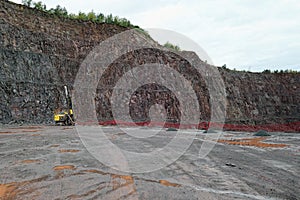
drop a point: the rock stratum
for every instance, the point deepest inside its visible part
(40, 53)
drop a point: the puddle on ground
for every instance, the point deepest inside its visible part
(257, 142)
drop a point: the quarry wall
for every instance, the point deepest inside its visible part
(40, 53)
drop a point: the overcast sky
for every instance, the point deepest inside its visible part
(243, 34)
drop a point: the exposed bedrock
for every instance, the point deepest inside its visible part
(40, 53)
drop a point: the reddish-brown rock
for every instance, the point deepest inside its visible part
(39, 53)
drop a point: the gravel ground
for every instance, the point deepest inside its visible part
(51, 162)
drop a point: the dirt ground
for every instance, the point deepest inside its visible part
(50, 162)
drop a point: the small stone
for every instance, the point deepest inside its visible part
(230, 164)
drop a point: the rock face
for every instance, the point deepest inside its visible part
(40, 53)
(262, 98)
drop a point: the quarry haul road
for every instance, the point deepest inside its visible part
(50, 162)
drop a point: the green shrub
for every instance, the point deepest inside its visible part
(39, 6)
(172, 46)
(27, 3)
(262, 133)
(171, 129)
(266, 71)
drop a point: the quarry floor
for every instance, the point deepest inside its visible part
(51, 162)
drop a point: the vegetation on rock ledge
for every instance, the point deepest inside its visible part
(266, 71)
(91, 16)
(172, 46)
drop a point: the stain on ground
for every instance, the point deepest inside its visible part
(121, 133)
(257, 142)
(21, 130)
(68, 150)
(118, 182)
(6, 132)
(30, 161)
(123, 183)
(88, 193)
(54, 145)
(169, 184)
(7, 191)
(35, 134)
(63, 167)
(27, 127)
(12, 190)
(112, 137)
(31, 131)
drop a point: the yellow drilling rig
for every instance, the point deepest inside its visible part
(65, 116)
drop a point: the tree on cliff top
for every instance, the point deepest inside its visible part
(27, 3)
(91, 16)
(172, 46)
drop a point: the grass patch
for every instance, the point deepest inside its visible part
(171, 129)
(262, 133)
